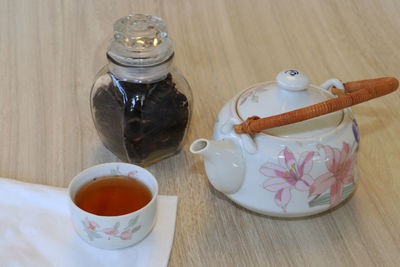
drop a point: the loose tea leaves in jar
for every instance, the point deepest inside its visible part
(141, 105)
(154, 117)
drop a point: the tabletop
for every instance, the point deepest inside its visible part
(50, 52)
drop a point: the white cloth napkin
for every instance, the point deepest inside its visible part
(36, 230)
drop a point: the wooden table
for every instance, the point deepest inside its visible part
(50, 52)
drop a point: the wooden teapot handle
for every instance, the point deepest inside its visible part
(355, 92)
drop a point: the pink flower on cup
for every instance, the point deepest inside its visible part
(94, 231)
(127, 234)
(110, 231)
(340, 165)
(288, 175)
(91, 225)
(132, 174)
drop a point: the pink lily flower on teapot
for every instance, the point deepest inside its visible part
(340, 165)
(289, 174)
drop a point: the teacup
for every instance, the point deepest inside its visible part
(113, 232)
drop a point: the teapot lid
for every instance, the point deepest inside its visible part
(290, 91)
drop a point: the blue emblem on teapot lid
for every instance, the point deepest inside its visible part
(292, 80)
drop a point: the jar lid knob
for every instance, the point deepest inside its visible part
(292, 80)
(139, 32)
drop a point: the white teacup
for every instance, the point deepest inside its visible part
(113, 232)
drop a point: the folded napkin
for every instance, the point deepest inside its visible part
(36, 230)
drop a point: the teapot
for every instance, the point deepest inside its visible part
(300, 159)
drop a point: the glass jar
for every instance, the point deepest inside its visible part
(141, 103)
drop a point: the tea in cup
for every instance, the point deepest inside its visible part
(113, 205)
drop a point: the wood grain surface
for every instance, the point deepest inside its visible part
(50, 52)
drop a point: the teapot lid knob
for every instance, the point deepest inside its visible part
(292, 80)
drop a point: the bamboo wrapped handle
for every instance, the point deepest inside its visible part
(355, 92)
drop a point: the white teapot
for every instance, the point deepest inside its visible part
(296, 169)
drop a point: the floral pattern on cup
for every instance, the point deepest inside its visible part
(329, 188)
(131, 174)
(115, 171)
(94, 230)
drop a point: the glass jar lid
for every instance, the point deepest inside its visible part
(140, 40)
(290, 91)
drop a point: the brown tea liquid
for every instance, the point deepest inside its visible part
(113, 195)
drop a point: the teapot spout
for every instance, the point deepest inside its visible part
(223, 161)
